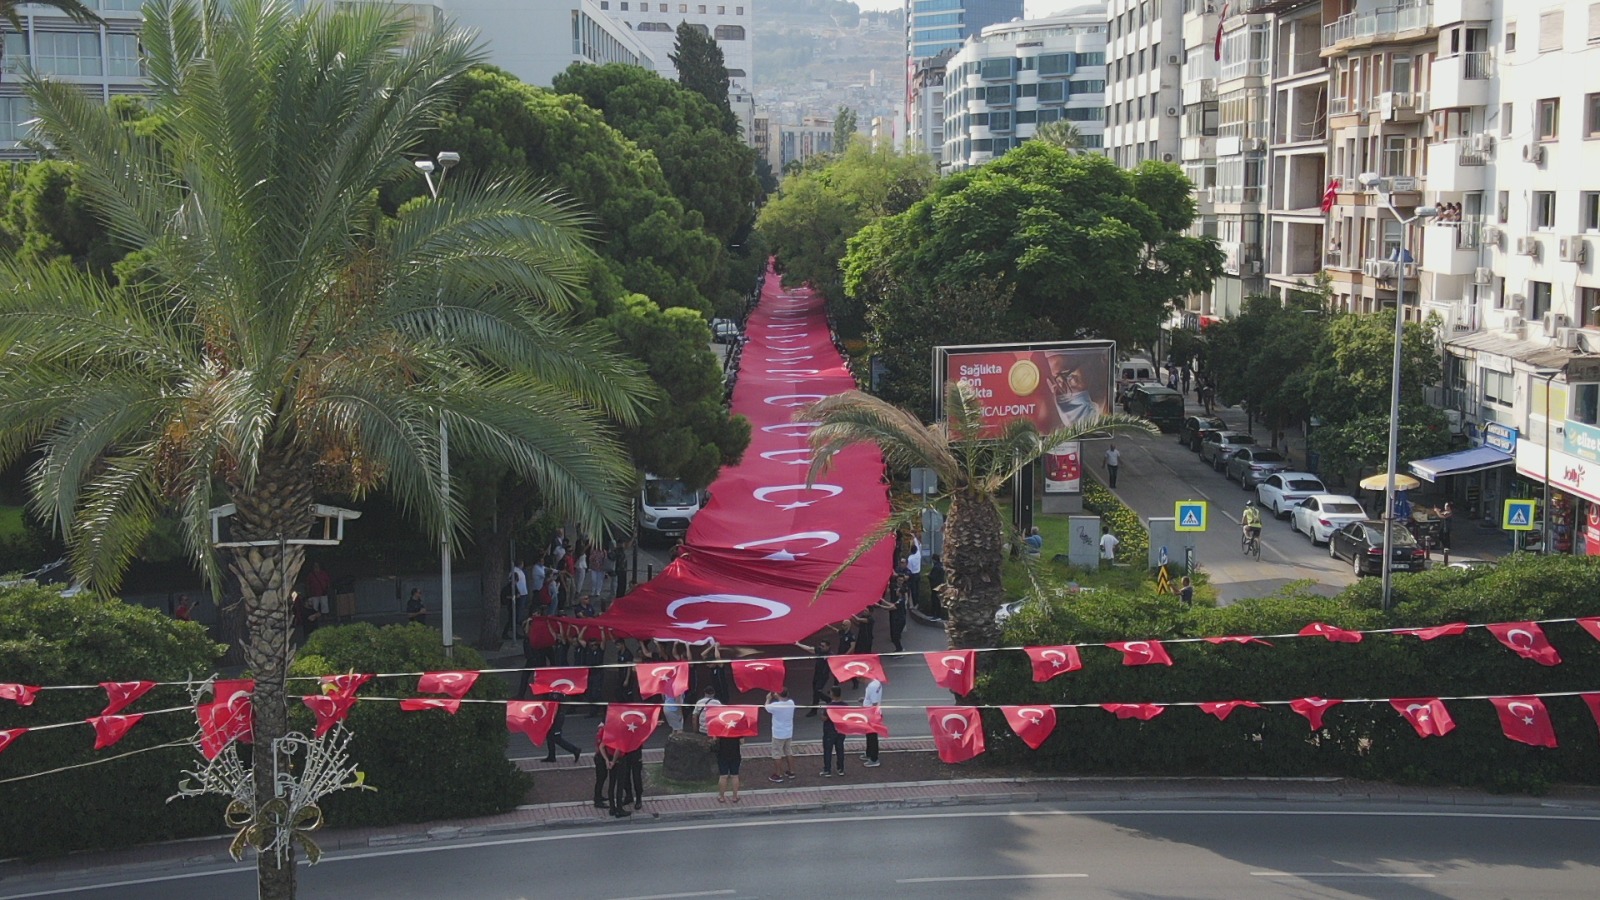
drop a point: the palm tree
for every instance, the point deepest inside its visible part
(971, 471)
(1063, 134)
(286, 341)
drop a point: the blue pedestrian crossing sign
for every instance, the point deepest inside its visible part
(1189, 515)
(1518, 515)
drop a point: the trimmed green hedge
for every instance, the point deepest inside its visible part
(48, 639)
(1359, 740)
(1119, 520)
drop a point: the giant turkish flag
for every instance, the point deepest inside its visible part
(758, 551)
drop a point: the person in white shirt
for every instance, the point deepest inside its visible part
(781, 708)
(872, 696)
(519, 593)
(702, 723)
(1113, 462)
(1108, 546)
(914, 566)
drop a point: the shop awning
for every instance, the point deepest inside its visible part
(1460, 463)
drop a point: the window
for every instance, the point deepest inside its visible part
(1544, 210)
(1589, 210)
(1505, 118)
(1502, 207)
(730, 32)
(1511, 37)
(994, 69)
(605, 4)
(1027, 116)
(122, 55)
(66, 53)
(1000, 121)
(1585, 403)
(702, 9)
(13, 112)
(1589, 307)
(997, 95)
(1549, 118)
(1538, 300)
(1551, 25)
(683, 7)
(1027, 90)
(1591, 116)
(1055, 64)
(1052, 92)
(1498, 388)
(654, 26)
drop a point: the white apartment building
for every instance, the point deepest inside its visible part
(1012, 78)
(1144, 61)
(925, 106)
(732, 25)
(1294, 242)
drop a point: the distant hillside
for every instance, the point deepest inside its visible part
(804, 41)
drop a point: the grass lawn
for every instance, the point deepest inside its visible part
(1056, 534)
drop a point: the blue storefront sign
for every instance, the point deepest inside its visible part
(1500, 437)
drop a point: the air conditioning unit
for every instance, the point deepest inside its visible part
(1528, 246)
(1574, 250)
(1381, 269)
(1569, 339)
(1553, 322)
(1483, 142)
(1481, 275)
(1254, 267)
(1514, 325)
(1174, 59)
(1452, 417)
(1516, 302)
(1172, 112)
(1166, 157)
(1492, 235)
(1252, 145)
(1533, 153)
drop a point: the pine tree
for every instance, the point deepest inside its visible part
(701, 69)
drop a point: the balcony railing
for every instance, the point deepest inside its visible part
(1476, 65)
(1386, 21)
(1469, 231)
(1234, 193)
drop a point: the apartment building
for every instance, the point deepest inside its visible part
(798, 142)
(1144, 62)
(925, 105)
(1012, 78)
(1294, 248)
(732, 25)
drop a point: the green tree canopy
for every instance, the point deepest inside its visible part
(844, 129)
(702, 69)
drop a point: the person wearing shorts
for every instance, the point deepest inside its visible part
(781, 708)
(728, 759)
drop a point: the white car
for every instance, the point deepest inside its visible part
(1319, 516)
(1283, 491)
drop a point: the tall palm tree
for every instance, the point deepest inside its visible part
(1063, 134)
(287, 341)
(971, 471)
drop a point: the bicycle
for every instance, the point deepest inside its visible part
(1250, 544)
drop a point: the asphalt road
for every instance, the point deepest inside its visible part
(1152, 849)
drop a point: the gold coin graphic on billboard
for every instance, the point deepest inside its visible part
(1024, 377)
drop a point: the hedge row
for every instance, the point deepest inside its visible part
(1358, 740)
(1118, 519)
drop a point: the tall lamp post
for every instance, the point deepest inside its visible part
(1548, 375)
(1370, 180)
(447, 610)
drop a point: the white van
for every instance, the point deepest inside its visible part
(666, 505)
(1134, 371)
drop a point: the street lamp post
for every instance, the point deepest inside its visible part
(1549, 375)
(447, 611)
(1369, 179)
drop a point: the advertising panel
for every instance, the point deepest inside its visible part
(1057, 385)
(1063, 469)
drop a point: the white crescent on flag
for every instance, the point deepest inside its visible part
(762, 493)
(1056, 657)
(857, 665)
(1527, 717)
(773, 608)
(856, 717)
(1527, 641)
(961, 724)
(731, 717)
(954, 663)
(1036, 718)
(561, 683)
(803, 452)
(794, 401)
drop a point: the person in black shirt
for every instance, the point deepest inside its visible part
(593, 655)
(832, 740)
(728, 759)
(821, 675)
(554, 738)
(628, 680)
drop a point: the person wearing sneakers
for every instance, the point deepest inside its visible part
(832, 740)
(872, 696)
(781, 708)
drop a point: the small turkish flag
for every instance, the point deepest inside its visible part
(1437, 631)
(671, 679)
(1330, 196)
(121, 693)
(23, 694)
(1593, 702)
(231, 717)
(110, 729)
(1031, 723)
(957, 732)
(7, 736)
(344, 685)
(1591, 624)
(1426, 714)
(1048, 662)
(1331, 632)
(732, 721)
(1313, 708)
(1142, 711)
(1526, 720)
(455, 684)
(846, 666)
(531, 717)
(1237, 639)
(1224, 708)
(1142, 653)
(225, 689)
(629, 725)
(1527, 640)
(330, 709)
(858, 720)
(568, 682)
(759, 674)
(418, 704)
(954, 670)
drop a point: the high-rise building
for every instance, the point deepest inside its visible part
(731, 25)
(1294, 244)
(1144, 58)
(933, 26)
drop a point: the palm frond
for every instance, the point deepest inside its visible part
(897, 520)
(853, 418)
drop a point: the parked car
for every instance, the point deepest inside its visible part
(1281, 492)
(1320, 516)
(54, 574)
(725, 331)
(1161, 405)
(1362, 544)
(1195, 429)
(1251, 465)
(1219, 445)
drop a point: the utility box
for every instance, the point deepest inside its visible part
(1083, 550)
(1177, 544)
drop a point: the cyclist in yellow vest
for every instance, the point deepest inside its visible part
(1251, 520)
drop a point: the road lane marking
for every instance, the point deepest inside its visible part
(1342, 875)
(678, 896)
(989, 877)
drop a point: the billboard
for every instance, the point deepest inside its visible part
(1055, 385)
(1063, 469)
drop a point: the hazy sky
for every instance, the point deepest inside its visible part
(1033, 7)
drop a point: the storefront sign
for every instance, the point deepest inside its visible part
(1500, 437)
(1582, 441)
(1591, 531)
(1567, 472)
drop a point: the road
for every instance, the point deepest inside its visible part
(1151, 849)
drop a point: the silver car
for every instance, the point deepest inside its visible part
(1281, 492)
(1251, 465)
(1217, 446)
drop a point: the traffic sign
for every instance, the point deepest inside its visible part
(1189, 515)
(1518, 515)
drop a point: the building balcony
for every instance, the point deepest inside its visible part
(1451, 248)
(1235, 193)
(1462, 80)
(1446, 12)
(1199, 147)
(1240, 258)
(1458, 165)
(1403, 106)
(1377, 25)
(1201, 90)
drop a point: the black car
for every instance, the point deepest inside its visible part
(1362, 544)
(1161, 405)
(1195, 429)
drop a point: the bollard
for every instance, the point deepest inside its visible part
(650, 572)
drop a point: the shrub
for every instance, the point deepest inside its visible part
(1119, 520)
(48, 639)
(424, 765)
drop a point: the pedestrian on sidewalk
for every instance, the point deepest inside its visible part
(602, 770)
(618, 781)
(519, 597)
(914, 569)
(935, 582)
(871, 697)
(865, 625)
(554, 738)
(1187, 376)
(832, 740)
(594, 656)
(781, 708)
(1113, 462)
(821, 675)
(897, 604)
(633, 763)
(729, 756)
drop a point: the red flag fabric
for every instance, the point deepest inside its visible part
(330, 709)
(858, 720)
(732, 721)
(1142, 711)
(1222, 709)
(1142, 653)
(1593, 702)
(767, 540)
(1216, 51)
(1048, 662)
(954, 670)
(454, 684)
(1330, 196)
(1524, 719)
(1591, 624)
(1237, 639)
(344, 685)
(1426, 714)
(629, 725)
(420, 704)
(759, 674)
(662, 678)
(110, 729)
(22, 694)
(1331, 632)
(846, 666)
(1527, 640)
(1313, 708)
(957, 732)
(7, 736)
(121, 693)
(1033, 724)
(568, 681)
(228, 718)
(1437, 631)
(226, 689)
(531, 717)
